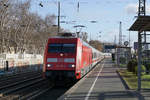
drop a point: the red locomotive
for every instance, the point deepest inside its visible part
(69, 58)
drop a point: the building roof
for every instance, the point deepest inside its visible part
(141, 24)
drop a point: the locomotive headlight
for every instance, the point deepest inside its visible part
(71, 65)
(49, 65)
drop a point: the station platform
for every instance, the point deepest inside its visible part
(102, 83)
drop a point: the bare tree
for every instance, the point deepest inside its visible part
(4, 6)
(96, 44)
(22, 31)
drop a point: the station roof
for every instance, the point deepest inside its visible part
(141, 24)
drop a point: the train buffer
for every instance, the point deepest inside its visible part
(102, 83)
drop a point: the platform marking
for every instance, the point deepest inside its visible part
(89, 93)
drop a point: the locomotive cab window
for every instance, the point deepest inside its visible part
(68, 48)
(54, 48)
(61, 48)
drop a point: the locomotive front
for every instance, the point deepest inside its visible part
(60, 59)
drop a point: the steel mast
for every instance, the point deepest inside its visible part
(141, 12)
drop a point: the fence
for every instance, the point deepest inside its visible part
(123, 56)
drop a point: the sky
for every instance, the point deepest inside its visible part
(106, 13)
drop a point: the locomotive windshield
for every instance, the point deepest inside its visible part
(61, 48)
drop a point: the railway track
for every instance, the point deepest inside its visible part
(28, 91)
(30, 86)
(7, 81)
(23, 86)
(14, 75)
(33, 91)
(53, 93)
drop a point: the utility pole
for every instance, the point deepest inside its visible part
(58, 17)
(120, 43)
(120, 33)
(115, 40)
(141, 12)
(129, 39)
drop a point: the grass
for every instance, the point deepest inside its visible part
(131, 79)
(123, 65)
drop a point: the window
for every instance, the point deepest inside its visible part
(61, 48)
(68, 48)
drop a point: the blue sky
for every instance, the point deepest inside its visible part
(107, 13)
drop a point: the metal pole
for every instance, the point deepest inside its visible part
(141, 12)
(120, 33)
(129, 39)
(139, 61)
(1, 43)
(58, 16)
(90, 36)
(115, 40)
(145, 45)
(120, 43)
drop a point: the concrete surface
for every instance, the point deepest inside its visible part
(103, 83)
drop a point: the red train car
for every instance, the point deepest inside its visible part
(69, 58)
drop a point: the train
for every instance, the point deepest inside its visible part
(69, 58)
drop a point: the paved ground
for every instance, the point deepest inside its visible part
(103, 83)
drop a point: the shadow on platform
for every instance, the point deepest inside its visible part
(113, 95)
